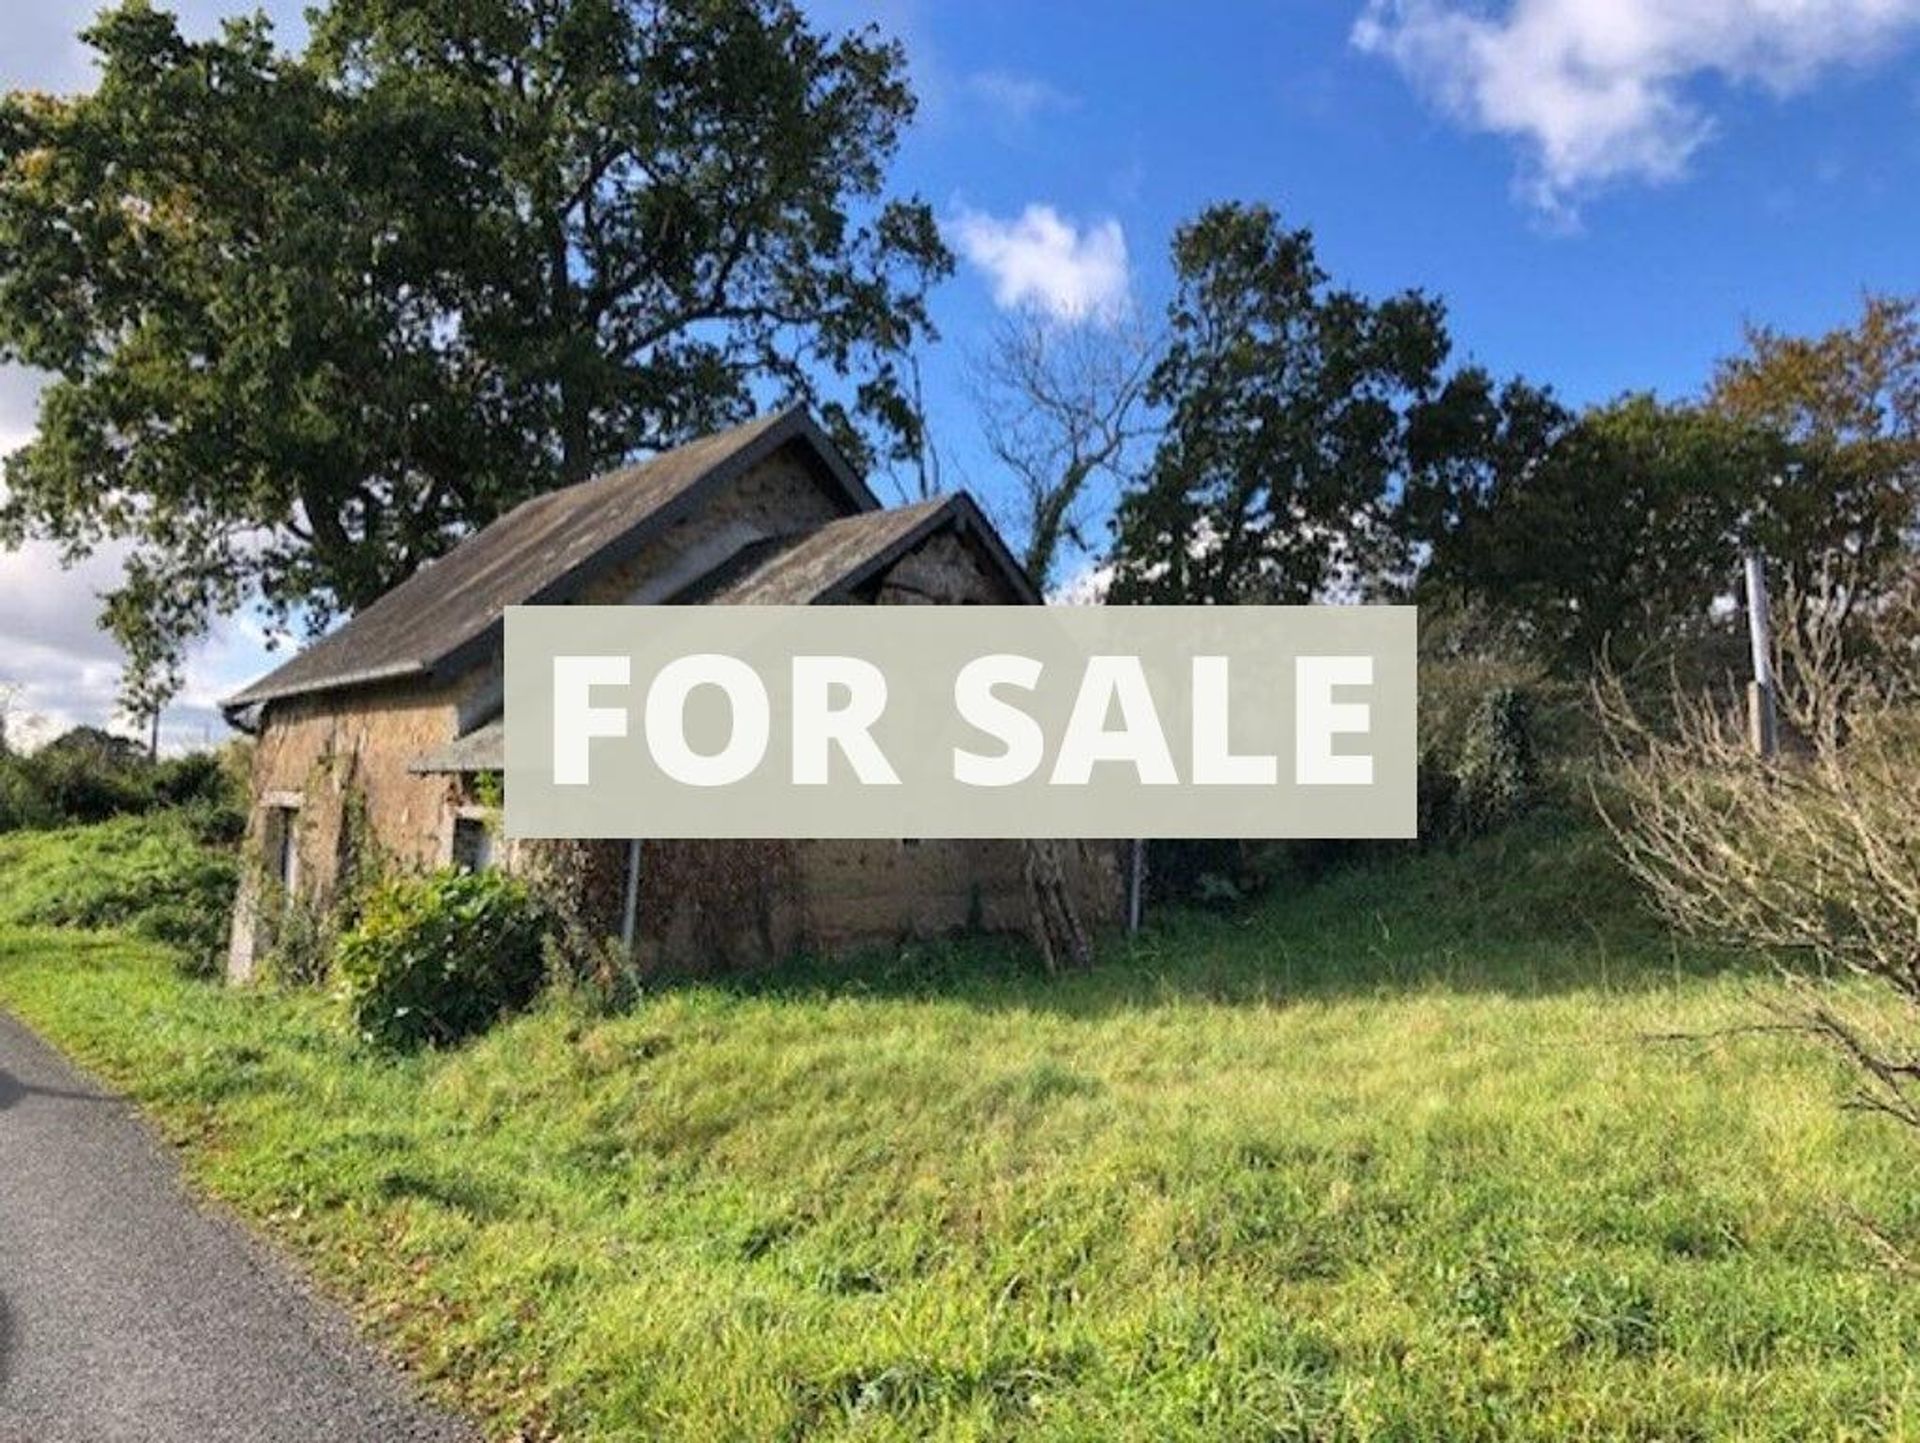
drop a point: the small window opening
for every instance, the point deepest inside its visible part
(283, 846)
(472, 845)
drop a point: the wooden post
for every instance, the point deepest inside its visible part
(1054, 918)
(1763, 726)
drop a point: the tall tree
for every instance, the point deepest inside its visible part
(1623, 529)
(1616, 531)
(1063, 410)
(1471, 450)
(1286, 402)
(313, 318)
(1840, 509)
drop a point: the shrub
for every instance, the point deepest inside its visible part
(23, 801)
(1811, 854)
(215, 824)
(1480, 770)
(1495, 742)
(437, 958)
(87, 775)
(296, 935)
(1495, 773)
(85, 784)
(196, 779)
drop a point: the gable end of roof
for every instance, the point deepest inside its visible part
(448, 614)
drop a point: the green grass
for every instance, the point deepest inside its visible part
(1392, 1159)
(154, 875)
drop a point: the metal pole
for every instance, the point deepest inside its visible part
(631, 914)
(1136, 887)
(1762, 720)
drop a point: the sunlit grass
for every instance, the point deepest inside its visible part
(1394, 1158)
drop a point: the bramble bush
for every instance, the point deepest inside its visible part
(436, 958)
(1811, 855)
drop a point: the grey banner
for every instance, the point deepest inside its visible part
(992, 721)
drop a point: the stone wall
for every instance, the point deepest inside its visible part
(834, 895)
(776, 498)
(712, 906)
(344, 759)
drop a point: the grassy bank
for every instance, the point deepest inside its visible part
(1392, 1158)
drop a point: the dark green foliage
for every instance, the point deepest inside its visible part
(1197, 871)
(1285, 401)
(1496, 773)
(437, 958)
(151, 875)
(80, 784)
(23, 801)
(87, 775)
(1495, 744)
(1312, 439)
(1618, 531)
(195, 777)
(1498, 739)
(95, 745)
(312, 318)
(1616, 535)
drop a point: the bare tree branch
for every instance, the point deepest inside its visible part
(1063, 410)
(1811, 857)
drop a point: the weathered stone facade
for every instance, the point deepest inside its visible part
(335, 775)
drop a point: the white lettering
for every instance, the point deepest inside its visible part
(667, 720)
(1024, 745)
(1318, 719)
(1140, 738)
(576, 721)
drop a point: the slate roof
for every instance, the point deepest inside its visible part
(481, 750)
(830, 561)
(541, 551)
(548, 548)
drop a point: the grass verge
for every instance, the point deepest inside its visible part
(1389, 1159)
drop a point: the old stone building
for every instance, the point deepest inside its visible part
(383, 741)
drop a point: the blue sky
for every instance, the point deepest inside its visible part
(1782, 214)
(1603, 191)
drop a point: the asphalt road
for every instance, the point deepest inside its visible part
(130, 1315)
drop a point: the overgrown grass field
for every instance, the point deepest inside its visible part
(1392, 1157)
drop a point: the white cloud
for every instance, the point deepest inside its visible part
(58, 668)
(1039, 261)
(1087, 586)
(1017, 99)
(19, 406)
(61, 670)
(1602, 90)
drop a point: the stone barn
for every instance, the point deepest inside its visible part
(382, 743)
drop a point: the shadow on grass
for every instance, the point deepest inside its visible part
(1540, 910)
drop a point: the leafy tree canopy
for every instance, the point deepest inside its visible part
(312, 318)
(1614, 531)
(1845, 496)
(1621, 529)
(1297, 413)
